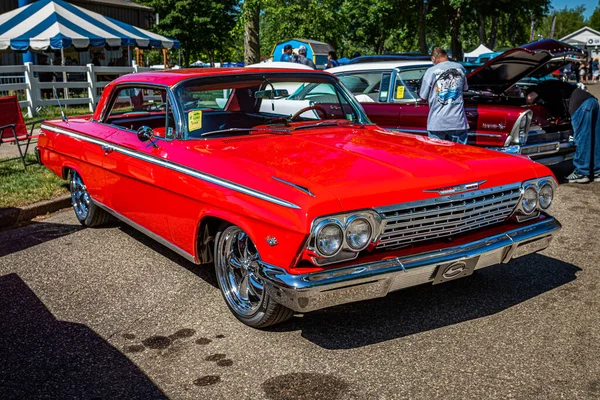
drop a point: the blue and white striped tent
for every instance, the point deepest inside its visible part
(56, 24)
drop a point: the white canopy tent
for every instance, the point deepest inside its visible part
(477, 52)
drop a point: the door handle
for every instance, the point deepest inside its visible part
(107, 149)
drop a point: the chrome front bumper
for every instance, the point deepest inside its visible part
(313, 291)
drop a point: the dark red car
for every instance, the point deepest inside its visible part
(498, 115)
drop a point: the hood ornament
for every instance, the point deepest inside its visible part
(456, 189)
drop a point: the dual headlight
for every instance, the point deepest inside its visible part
(347, 232)
(537, 195)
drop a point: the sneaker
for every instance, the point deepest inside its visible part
(576, 178)
(597, 177)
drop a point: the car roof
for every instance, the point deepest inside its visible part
(280, 65)
(376, 66)
(174, 76)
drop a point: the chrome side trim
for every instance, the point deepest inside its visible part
(148, 233)
(295, 186)
(175, 167)
(313, 291)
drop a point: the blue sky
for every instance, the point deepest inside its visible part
(590, 5)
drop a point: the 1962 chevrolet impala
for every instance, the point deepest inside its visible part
(498, 115)
(299, 206)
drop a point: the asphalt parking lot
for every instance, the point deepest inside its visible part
(108, 313)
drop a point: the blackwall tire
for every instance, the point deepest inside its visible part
(235, 267)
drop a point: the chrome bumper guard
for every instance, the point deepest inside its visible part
(544, 153)
(313, 291)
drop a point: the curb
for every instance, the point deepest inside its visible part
(10, 217)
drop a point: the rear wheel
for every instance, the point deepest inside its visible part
(236, 267)
(88, 213)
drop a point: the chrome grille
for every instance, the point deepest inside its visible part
(445, 216)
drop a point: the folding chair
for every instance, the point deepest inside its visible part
(13, 129)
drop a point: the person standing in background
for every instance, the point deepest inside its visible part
(442, 86)
(287, 53)
(302, 58)
(332, 60)
(582, 74)
(585, 118)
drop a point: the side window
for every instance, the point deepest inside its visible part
(134, 107)
(367, 87)
(406, 87)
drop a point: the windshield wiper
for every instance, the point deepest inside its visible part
(274, 121)
(264, 130)
(328, 123)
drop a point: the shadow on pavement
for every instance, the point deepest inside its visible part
(428, 307)
(42, 357)
(21, 238)
(205, 272)
(562, 170)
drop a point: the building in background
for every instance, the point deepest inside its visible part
(585, 38)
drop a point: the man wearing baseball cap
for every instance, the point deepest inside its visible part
(301, 59)
(287, 52)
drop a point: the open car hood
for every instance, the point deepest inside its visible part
(535, 59)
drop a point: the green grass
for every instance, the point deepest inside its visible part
(54, 113)
(20, 187)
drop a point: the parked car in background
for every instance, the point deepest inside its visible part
(496, 109)
(389, 57)
(485, 57)
(299, 204)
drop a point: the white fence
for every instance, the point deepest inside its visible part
(33, 84)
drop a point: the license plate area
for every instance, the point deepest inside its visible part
(455, 270)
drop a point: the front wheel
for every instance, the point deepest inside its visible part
(236, 267)
(88, 213)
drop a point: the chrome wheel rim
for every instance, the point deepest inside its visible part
(79, 196)
(237, 267)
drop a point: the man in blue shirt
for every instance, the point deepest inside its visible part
(287, 52)
(442, 86)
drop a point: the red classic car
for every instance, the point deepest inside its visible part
(498, 115)
(298, 206)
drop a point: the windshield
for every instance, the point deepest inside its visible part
(238, 105)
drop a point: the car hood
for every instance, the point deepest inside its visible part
(534, 59)
(361, 168)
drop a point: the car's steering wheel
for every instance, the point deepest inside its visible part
(305, 109)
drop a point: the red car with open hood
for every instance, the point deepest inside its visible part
(495, 103)
(299, 204)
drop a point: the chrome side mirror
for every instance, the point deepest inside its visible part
(145, 134)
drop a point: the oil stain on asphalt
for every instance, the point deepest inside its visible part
(203, 341)
(182, 334)
(216, 357)
(157, 342)
(207, 380)
(134, 348)
(305, 386)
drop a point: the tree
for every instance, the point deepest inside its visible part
(370, 22)
(309, 19)
(594, 21)
(251, 20)
(567, 20)
(201, 26)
